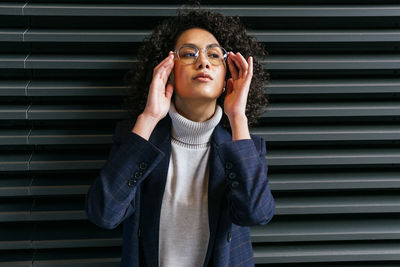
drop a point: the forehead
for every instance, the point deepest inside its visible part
(197, 36)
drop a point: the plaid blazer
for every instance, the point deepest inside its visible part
(130, 187)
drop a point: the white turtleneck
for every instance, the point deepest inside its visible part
(184, 228)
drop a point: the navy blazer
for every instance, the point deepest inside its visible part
(130, 188)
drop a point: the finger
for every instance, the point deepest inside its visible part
(250, 70)
(165, 70)
(243, 64)
(239, 65)
(164, 62)
(229, 86)
(232, 66)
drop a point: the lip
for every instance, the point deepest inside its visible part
(202, 77)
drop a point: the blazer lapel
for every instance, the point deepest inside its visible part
(152, 191)
(216, 186)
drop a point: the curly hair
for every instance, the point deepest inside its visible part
(231, 35)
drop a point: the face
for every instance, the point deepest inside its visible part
(187, 83)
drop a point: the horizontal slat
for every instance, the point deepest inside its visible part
(333, 62)
(66, 160)
(327, 230)
(327, 252)
(325, 36)
(334, 180)
(12, 35)
(59, 112)
(45, 235)
(16, 258)
(54, 136)
(61, 88)
(76, 35)
(338, 204)
(42, 186)
(13, 87)
(333, 156)
(12, 8)
(15, 186)
(73, 209)
(333, 86)
(280, 62)
(79, 257)
(274, 87)
(70, 136)
(278, 182)
(14, 137)
(35, 9)
(14, 161)
(270, 134)
(336, 109)
(328, 133)
(269, 36)
(39, 210)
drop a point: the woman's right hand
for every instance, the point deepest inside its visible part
(160, 93)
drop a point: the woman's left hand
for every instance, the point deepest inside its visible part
(237, 87)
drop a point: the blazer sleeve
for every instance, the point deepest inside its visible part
(111, 197)
(249, 195)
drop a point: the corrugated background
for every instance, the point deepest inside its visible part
(332, 128)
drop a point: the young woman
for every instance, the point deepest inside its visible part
(185, 176)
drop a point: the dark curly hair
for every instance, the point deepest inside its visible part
(231, 35)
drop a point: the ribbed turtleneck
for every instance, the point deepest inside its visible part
(192, 134)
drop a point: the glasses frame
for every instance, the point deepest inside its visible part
(225, 53)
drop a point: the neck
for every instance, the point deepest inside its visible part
(195, 110)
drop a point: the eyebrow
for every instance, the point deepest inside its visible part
(212, 44)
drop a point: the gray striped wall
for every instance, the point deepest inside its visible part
(332, 128)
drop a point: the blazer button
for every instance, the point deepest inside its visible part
(138, 174)
(229, 237)
(232, 175)
(132, 182)
(228, 165)
(143, 165)
(235, 184)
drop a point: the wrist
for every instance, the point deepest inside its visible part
(237, 119)
(239, 127)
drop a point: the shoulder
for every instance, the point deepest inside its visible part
(124, 127)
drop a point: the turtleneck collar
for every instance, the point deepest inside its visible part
(191, 133)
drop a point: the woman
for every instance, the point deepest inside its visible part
(186, 186)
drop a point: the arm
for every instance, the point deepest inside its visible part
(111, 198)
(249, 194)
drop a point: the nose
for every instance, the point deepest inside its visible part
(202, 61)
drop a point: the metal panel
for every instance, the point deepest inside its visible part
(331, 128)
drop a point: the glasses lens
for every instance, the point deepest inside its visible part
(215, 55)
(188, 54)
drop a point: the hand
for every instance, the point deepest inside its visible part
(237, 88)
(159, 97)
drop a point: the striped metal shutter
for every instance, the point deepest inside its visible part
(331, 129)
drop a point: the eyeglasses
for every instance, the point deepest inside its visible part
(188, 54)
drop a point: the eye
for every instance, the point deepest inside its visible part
(188, 54)
(214, 55)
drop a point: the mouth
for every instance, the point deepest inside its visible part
(203, 77)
